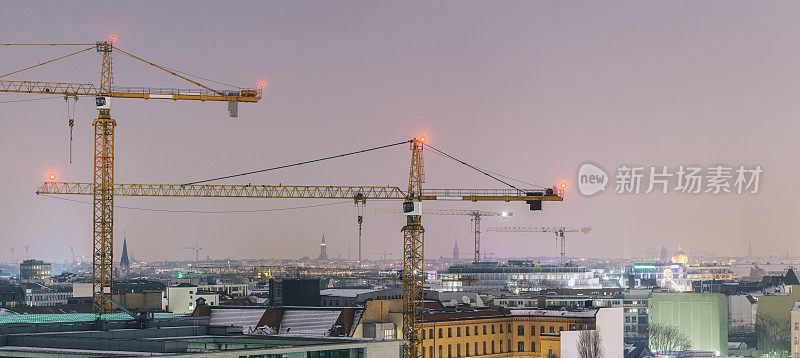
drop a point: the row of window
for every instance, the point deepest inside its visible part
(475, 351)
(520, 330)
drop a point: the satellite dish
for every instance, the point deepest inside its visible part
(454, 302)
(465, 299)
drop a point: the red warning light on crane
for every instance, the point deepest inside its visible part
(52, 176)
(262, 84)
(113, 38)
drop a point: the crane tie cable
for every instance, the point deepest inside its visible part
(297, 164)
(474, 167)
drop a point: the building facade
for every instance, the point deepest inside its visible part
(795, 328)
(518, 276)
(34, 270)
(703, 317)
(11, 296)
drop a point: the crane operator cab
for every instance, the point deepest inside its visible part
(103, 102)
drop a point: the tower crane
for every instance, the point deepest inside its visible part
(103, 184)
(196, 248)
(476, 221)
(559, 231)
(413, 231)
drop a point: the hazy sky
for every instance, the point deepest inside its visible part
(528, 89)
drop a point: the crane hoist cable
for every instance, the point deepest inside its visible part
(71, 120)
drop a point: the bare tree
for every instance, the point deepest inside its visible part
(774, 332)
(590, 344)
(667, 338)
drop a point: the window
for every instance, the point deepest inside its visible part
(449, 332)
(520, 331)
(484, 329)
(440, 335)
(430, 333)
(430, 351)
(501, 328)
(458, 350)
(572, 327)
(423, 352)
(501, 345)
(466, 348)
(560, 328)
(542, 330)
(509, 328)
(440, 350)
(520, 346)
(484, 347)
(533, 330)
(796, 324)
(552, 329)
(533, 346)
(458, 331)
(466, 331)
(449, 351)
(423, 337)
(492, 329)
(476, 330)
(492, 345)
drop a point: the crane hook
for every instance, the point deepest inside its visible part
(71, 119)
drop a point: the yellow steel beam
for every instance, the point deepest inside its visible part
(291, 192)
(88, 89)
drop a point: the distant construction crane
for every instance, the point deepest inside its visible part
(559, 231)
(476, 221)
(196, 249)
(104, 125)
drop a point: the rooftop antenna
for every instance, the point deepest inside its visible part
(27, 251)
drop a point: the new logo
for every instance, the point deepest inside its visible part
(591, 179)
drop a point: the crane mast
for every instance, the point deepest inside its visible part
(413, 253)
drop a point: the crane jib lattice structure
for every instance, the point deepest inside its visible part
(102, 188)
(413, 231)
